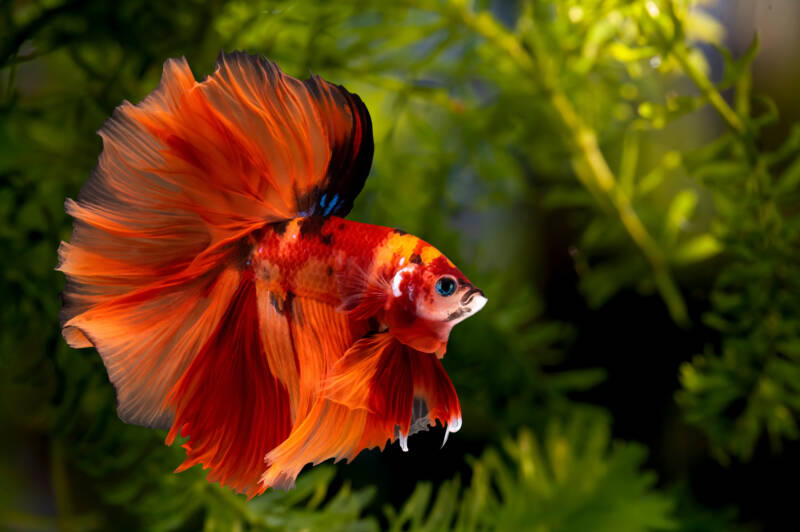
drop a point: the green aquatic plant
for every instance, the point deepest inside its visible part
(569, 478)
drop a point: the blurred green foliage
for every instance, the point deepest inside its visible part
(497, 124)
(568, 480)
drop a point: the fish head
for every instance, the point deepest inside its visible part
(430, 295)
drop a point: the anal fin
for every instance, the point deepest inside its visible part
(380, 390)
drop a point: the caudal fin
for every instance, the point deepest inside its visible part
(157, 267)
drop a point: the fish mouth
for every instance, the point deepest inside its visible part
(478, 302)
(471, 303)
(469, 294)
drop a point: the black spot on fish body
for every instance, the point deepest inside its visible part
(311, 226)
(280, 227)
(327, 239)
(415, 259)
(341, 226)
(330, 271)
(258, 234)
(399, 232)
(241, 252)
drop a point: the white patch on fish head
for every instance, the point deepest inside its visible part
(398, 279)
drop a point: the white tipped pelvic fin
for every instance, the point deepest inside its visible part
(453, 426)
(404, 442)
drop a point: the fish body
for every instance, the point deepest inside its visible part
(337, 261)
(212, 268)
(307, 255)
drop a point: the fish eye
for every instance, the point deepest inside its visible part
(445, 286)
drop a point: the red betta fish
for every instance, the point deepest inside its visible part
(231, 302)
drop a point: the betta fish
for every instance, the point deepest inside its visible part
(213, 269)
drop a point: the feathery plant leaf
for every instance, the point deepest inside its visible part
(570, 478)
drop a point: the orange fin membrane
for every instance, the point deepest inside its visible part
(380, 390)
(433, 387)
(363, 294)
(229, 403)
(156, 266)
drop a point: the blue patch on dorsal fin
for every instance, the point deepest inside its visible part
(331, 206)
(325, 206)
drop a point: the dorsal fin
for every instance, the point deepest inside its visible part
(316, 135)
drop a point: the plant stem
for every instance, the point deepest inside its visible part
(588, 161)
(601, 175)
(680, 51)
(681, 54)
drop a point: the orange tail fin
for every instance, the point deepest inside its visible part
(157, 266)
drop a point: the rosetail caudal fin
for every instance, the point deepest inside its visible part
(158, 276)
